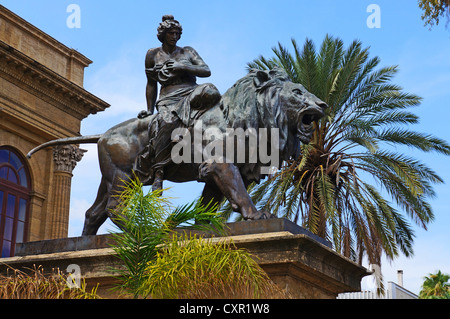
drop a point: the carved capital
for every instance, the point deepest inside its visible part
(66, 157)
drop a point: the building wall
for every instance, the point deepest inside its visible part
(42, 47)
(41, 99)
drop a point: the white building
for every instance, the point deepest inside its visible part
(393, 291)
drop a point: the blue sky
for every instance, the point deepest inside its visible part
(229, 34)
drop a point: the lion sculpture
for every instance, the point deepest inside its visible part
(260, 100)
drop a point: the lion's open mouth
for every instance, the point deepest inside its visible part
(306, 121)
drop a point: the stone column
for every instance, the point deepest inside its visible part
(65, 158)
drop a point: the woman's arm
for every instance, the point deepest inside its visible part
(151, 90)
(150, 94)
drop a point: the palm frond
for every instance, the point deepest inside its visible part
(424, 142)
(146, 222)
(323, 189)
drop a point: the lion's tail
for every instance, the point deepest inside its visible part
(67, 140)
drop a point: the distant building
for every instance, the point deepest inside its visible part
(41, 98)
(393, 291)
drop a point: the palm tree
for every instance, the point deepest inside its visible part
(162, 259)
(147, 220)
(338, 187)
(436, 286)
(191, 267)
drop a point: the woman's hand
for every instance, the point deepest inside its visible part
(174, 66)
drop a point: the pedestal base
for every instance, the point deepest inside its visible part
(296, 260)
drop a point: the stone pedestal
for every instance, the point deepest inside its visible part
(296, 260)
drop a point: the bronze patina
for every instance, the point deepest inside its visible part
(260, 102)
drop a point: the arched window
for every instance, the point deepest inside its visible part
(14, 200)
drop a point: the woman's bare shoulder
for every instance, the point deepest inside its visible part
(150, 57)
(152, 52)
(189, 49)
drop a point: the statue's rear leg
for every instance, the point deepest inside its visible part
(96, 215)
(229, 180)
(211, 196)
(105, 203)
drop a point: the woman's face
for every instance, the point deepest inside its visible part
(172, 36)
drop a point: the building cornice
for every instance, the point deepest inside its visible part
(39, 34)
(46, 83)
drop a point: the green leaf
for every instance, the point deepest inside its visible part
(351, 183)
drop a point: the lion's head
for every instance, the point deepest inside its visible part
(268, 99)
(302, 109)
(284, 97)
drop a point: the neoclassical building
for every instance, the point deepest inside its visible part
(41, 98)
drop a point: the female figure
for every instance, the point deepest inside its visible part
(180, 99)
(176, 69)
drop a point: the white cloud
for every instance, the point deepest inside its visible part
(121, 82)
(85, 181)
(78, 208)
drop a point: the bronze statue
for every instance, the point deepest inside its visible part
(175, 69)
(180, 98)
(165, 145)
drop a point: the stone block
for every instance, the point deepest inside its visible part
(297, 261)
